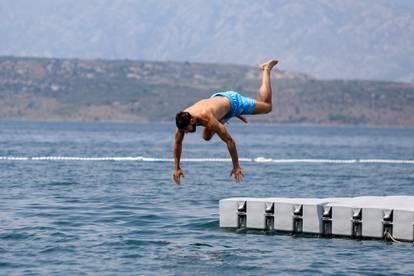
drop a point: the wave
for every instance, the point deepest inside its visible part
(156, 159)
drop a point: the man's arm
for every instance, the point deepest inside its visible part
(231, 146)
(179, 136)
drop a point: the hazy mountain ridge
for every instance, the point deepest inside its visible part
(327, 38)
(125, 90)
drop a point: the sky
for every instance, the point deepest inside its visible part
(334, 39)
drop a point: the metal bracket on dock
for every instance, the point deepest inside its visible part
(269, 214)
(387, 223)
(327, 220)
(298, 218)
(241, 214)
(356, 222)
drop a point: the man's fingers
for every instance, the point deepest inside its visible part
(177, 177)
(238, 175)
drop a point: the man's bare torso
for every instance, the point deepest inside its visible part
(216, 106)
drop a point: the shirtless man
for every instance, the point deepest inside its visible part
(212, 113)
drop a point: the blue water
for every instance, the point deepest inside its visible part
(128, 217)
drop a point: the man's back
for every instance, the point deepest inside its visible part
(217, 106)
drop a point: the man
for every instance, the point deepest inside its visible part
(212, 113)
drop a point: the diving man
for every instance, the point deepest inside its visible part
(213, 112)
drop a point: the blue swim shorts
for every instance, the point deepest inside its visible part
(239, 105)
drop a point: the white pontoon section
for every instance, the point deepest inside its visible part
(358, 217)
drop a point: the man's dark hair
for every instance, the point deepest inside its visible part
(182, 119)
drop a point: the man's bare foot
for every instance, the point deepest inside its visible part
(268, 65)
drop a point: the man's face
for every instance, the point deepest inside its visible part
(190, 128)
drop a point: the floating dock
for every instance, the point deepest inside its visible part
(378, 217)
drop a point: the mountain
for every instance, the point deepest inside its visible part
(143, 91)
(335, 39)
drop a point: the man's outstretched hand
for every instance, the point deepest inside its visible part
(238, 174)
(177, 175)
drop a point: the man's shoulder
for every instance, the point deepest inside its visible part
(204, 117)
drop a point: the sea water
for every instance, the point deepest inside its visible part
(96, 214)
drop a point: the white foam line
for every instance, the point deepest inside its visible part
(389, 161)
(333, 161)
(257, 159)
(154, 159)
(14, 158)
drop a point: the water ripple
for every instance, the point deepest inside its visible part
(118, 217)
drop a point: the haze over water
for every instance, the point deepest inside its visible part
(128, 217)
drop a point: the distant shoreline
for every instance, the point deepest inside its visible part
(172, 123)
(94, 90)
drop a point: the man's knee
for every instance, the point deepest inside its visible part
(267, 108)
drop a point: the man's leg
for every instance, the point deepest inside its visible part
(264, 104)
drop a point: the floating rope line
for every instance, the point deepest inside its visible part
(155, 159)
